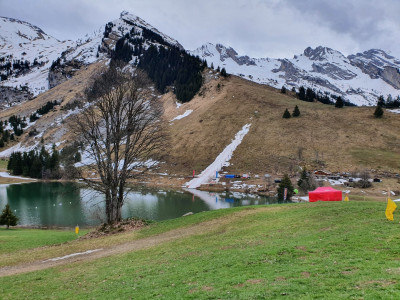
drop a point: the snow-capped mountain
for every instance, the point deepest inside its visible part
(32, 62)
(359, 78)
(26, 54)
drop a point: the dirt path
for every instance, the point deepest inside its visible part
(131, 246)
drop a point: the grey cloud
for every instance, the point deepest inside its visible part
(260, 28)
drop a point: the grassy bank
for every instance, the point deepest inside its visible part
(320, 250)
(19, 239)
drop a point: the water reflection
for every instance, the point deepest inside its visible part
(69, 204)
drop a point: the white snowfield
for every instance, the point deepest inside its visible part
(185, 114)
(220, 161)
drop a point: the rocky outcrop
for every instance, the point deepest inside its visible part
(61, 73)
(391, 75)
(10, 96)
(226, 53)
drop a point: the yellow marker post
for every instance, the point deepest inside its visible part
(346, 198)
(77, 229)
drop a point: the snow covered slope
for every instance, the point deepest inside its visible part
(26, 54)
(31, 60)
(359, 78)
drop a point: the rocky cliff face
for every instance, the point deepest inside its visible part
(11, 96)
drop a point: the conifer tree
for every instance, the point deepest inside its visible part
(306, 182)
(378, 112)
(381, 101)
(285, 183)
(7, 217)
(223, 72)
(302, 93)
(339, 102)
(286, 114)
(296, 112)
(283, 89)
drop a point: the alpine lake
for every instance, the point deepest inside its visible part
(67, 204)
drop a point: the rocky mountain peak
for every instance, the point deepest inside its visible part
(133, 20)
(222, 53)
(321, 53)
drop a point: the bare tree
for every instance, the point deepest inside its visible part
(122, 134)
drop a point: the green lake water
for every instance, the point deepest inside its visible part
(69, 204)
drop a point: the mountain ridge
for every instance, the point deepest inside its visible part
(360, 78)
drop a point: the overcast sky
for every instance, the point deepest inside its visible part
(258, 28)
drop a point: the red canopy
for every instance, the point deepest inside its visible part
(325, 194)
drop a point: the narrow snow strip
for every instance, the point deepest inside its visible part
(219, 162)
(6, 175)
(185, 114)
(396, 111)
(72, 255)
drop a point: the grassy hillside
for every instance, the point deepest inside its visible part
(322, 137)
(344, 250)
(327, 137)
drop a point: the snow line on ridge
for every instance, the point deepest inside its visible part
(219, 162)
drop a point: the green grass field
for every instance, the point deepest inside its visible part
(16, 239)
(345, 250)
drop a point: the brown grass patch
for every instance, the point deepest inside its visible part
(393, 270)
(380, 283)
(280, 279)
(254, 281)
(302, 248)
(306, 274)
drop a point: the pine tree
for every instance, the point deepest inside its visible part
(378, 112)
(306, 182)
(286, 114)
(285, 183)
(302, 93)
(223, 72)
(7, 217)
(283, 89)
(381, 101)
(339, 102)
(296, 112)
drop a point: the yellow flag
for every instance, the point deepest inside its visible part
(390, 208)
(346, 198)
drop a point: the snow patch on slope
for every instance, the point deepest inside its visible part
(220, 161)
(185, 114)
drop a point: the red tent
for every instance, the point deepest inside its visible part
(325, 194)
